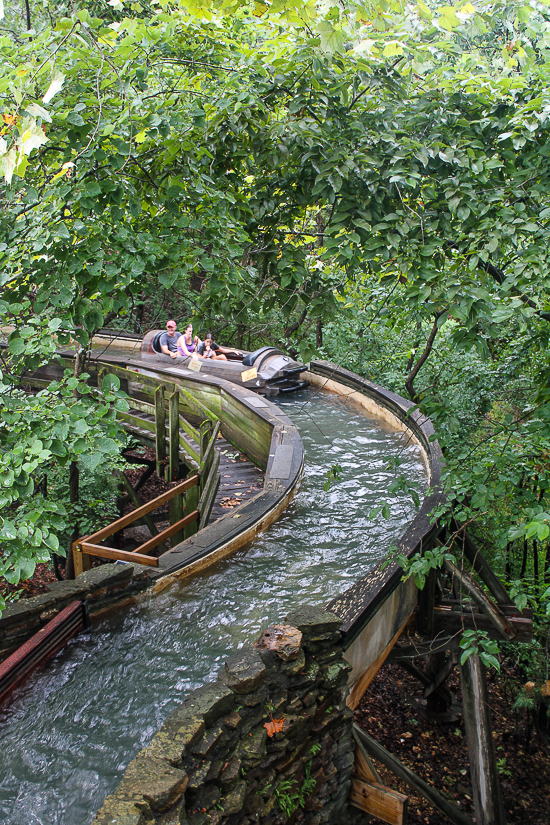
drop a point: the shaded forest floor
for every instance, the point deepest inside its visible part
(438, 752)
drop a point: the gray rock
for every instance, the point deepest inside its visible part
(314, 622)
(243, 672)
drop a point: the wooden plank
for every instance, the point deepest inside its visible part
(119, 555)
(426, 604)
(174, 437)
(197, 406)
(136, 421)
(79, 559)
(379, 752)
(188, 449)
(488, 805)
(133, 495)
(486, 604)
(192, 501)
(441, 676)
(160, 429)
(204, 430)
(448, 622)
(175, 510)
(208, 456)
(208, 496)
(389, 806)
(100, 535)
(481, 566)
(366, 678)
(423, 648)
(170, 531)
(191, 431)
(363, 766)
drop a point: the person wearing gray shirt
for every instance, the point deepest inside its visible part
(168, 340)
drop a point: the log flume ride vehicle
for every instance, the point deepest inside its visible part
(266, 370)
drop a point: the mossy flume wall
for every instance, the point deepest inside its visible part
(269, 742)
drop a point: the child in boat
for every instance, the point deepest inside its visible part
(187, 345)
(209, 349)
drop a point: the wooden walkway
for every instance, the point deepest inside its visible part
(240, 479)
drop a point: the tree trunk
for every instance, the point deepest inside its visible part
(74, 483)
(409, 383)
(523, 560)
(319, 333)
(74, 473)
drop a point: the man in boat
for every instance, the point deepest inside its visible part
(209, 349)
(169, 340)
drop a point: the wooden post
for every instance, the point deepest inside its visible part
(205, 431)
(426, 603)
(191, 503)
(174, 440)
(160, 428)
(82, 561)
(176, 510)
(479, 736)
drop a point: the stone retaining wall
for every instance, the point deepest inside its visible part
(102, 586)
(270, 742)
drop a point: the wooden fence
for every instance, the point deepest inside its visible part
(154, 418)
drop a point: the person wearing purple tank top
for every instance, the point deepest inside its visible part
(187, 344)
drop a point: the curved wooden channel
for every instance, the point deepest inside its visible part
(375, 610)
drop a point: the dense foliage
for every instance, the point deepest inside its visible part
(368, 181)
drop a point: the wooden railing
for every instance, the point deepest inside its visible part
(197, 444)
(90, 546)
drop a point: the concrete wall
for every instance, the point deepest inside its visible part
(103, 587)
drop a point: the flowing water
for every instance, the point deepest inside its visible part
(69, 733)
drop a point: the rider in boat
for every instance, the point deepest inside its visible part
(209, 349)
(186, 344)
(168, 341)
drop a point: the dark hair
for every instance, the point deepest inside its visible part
(208, 335)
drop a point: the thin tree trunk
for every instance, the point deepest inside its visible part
(416, 344)
(536, 562)
(547, 566)
(28, 15)
(409, 383)
(523, 560)
(319, 333)
(74, 472)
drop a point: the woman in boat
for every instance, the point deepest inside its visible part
(187, 345)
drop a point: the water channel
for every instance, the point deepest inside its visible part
(69, 733)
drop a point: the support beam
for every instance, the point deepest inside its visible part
(481, 566)
(134, 498)
(379, 752)
(487, 606)
(441, 676)
(426, 604)
(174, 440)
(160, 429)
(191, 503)
(479, 736)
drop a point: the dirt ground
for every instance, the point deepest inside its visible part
(438, 752)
